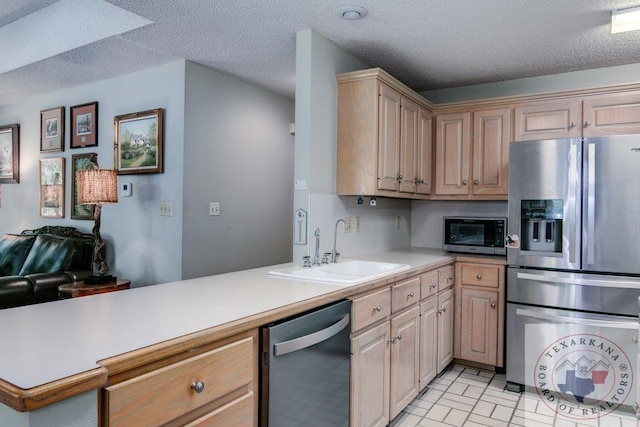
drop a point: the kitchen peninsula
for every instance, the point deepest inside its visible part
(57, 359)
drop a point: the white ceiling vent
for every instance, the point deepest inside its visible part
(351, 13)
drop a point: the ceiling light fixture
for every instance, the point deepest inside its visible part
(351, 13)
(627, 19)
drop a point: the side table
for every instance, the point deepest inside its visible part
(80, 289)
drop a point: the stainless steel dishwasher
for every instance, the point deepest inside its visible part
(304, 369)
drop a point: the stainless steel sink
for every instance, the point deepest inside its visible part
(349, 272)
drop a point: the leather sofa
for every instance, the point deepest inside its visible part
(35, 262)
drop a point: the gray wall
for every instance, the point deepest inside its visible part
(141, 245)
(225, 140)
(318, 60)
(533, 85)
(238, 151)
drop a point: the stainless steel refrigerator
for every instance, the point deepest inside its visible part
(573, 252)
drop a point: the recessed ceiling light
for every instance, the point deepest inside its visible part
(625, 19)
(351, 13)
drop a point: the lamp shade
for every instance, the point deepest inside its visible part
(97, 186)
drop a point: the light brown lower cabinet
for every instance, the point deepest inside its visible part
(480, 312)
(201, 387)
(402, 336)
(370, 365)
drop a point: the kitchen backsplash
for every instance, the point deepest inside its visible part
(426, 218)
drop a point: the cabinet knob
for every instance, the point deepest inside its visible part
(493, 304)
(434, 285)
(476, 182)
(465, 182)
(399, 336)
(479, 276)
(587, 123)
(635, 340)
(443, 309)
(391, 340)
(198, 387)
(572, 125)
(399, 178)
(450, 278)
(377, 308)
(411, 295)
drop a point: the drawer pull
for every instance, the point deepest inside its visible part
(493, 304)
(479, 276)
(399, 337)
(198, 387)
(377, 308)
(434, 285)
(450, 277)
(411, 295)
(391, 340)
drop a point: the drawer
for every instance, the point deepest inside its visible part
(164, 394)
(480, 275)
(238, 413)
(370, 308)
(429, 284)
(446, 277)
(404, 294)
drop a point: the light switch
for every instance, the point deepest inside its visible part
(214, 208)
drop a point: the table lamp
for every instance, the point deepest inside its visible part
(97, 187)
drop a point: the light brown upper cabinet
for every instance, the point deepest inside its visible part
(384, 137)
(595, 115)
(472, 154)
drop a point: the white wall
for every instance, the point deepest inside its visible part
(141, 245)
(318, 60)
(238, 151)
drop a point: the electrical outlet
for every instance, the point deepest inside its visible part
(348, 224)
(166, 209)
(357, 224)
(214, 208)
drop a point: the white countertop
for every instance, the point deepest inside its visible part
(47, 342)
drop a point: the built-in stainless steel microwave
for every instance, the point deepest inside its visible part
(475, 235)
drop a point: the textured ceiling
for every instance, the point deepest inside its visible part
(427, 44)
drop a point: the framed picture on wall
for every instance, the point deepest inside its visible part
(81, 162)
(52, 187)
(52, 129)
(139, 142)
(10, 153)
(84, 125)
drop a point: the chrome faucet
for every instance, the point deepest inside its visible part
(316, 257)
(335, 254)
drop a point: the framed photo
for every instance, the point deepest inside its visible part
(52, 130)
(139, 144)
(10, 154)
(52, 187)
(81, 162)
(84, 125)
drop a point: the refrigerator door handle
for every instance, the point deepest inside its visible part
(591, 202)
(603, 282)
(577, 320)
(300, 343)
(574, 178)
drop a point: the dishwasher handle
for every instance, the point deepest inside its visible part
(296, 344)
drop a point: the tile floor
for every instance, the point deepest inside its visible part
(467, 397)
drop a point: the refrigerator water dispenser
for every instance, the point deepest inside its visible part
(541, 225)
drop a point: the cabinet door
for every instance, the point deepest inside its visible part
(404, 359)
(445, 329)
(423, 152)
(479, 326)
(370, 362)
(408, 146)
(428, 340)
(388, 138)
(548, 120)
(615, 114)
(491, 137)
(453, 152)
